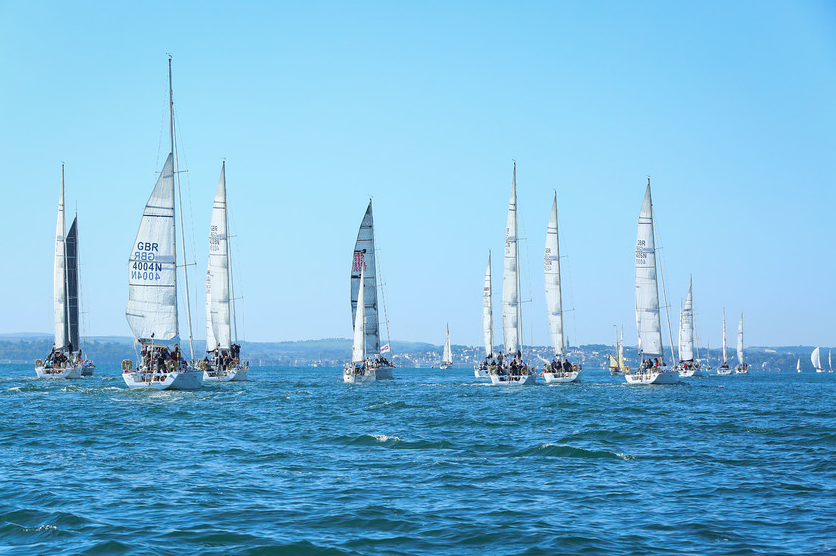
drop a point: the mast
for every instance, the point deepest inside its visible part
(517, 264)
(554, 301)
(229, 260)
(511, 330)
(176, 170)
(725, 358)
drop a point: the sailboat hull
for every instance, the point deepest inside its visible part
(49, 372)
(480, 373)
(523, 380)
(365, 377)
(180, 380)
(232, 375)
(551, 378)
(653, 377)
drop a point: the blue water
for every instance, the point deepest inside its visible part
(296, 462)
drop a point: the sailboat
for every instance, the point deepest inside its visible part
(815, 358)
(559, 370)
(447, 354)
(225, 364)
(616, 363)
(724, 369)
(742, 368)
(481, 370)
(63, 361)
(152, 288)
(514, 370)
(360, 370)
(829, 362)
(648, 322)
(688, 365)
(798, 366)
(365, 262)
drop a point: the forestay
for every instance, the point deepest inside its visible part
(152, 270)
(648, 322)
(551, 263)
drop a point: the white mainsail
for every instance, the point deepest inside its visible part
(219, 267)
(687, 350)
(648, 321)
(510, 279)
(363, 263)
(815, 358)
(211, 342)
(798, 365)
(152, 267)
(551, 263)
(447, 356)
(487, 311)
(59, 279)
(740, 340)
(358, 347)
(725, 357)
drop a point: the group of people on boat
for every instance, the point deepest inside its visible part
(161, 359)
(58, 358)
(559, 367)
(687, 365)
(223, 359)
(359, 368)
(650, 364)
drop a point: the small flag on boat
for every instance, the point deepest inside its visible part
(385, 349)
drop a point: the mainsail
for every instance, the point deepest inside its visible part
(59, 278)
(648, 322)
(740, 340)
(219, 268)
(815, 358)
(725, 357)
(152, 267)
(551, 262)
(358, 347)
(487, 311)
(363, 263)
(510, 280)
(687, 329)
(72, 285)
(447, 356)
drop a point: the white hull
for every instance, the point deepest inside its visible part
(480, 373)
(226, 376)
(724, 372)
(653, 377)
(686, 373)
(523, 380)
(366, 377)
(48, 372)
(177, 380)
(574, 376)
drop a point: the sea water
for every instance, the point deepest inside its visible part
(433, 462)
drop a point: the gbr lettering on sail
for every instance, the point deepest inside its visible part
(144, 267)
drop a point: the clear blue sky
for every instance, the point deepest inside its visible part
(729, 106)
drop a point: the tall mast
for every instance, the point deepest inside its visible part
(517, 265)
(229, 259)
(176, 171)
(66, 284)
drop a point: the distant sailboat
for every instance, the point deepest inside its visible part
(742, 367)
(361, 369)
(829, 362)
(365, 260)
(616, 364)
(560, 370)
(223, 362)
(63, 360)
(652, 370)
(815, 358)
(481, 370)
(798, 365)
(724, 368)
(447, 355)
(152, 288)
(511, 370)
(688, 365)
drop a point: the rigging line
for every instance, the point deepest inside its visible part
(664, 292)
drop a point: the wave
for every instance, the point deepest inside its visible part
(566, 451)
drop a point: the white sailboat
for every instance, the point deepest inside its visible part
(223, 361)
(481, 370)
(511, 370)
(652, 370)
(742, 367)
(724, 369)
(360, 370)
(63, 361)
(798, 366)
(688, 364)
(829, 362)
(815, 358)
(560, 369)
(152, 288)
(364, 260)
(447, 354)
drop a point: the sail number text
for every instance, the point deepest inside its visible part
(143, 267)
